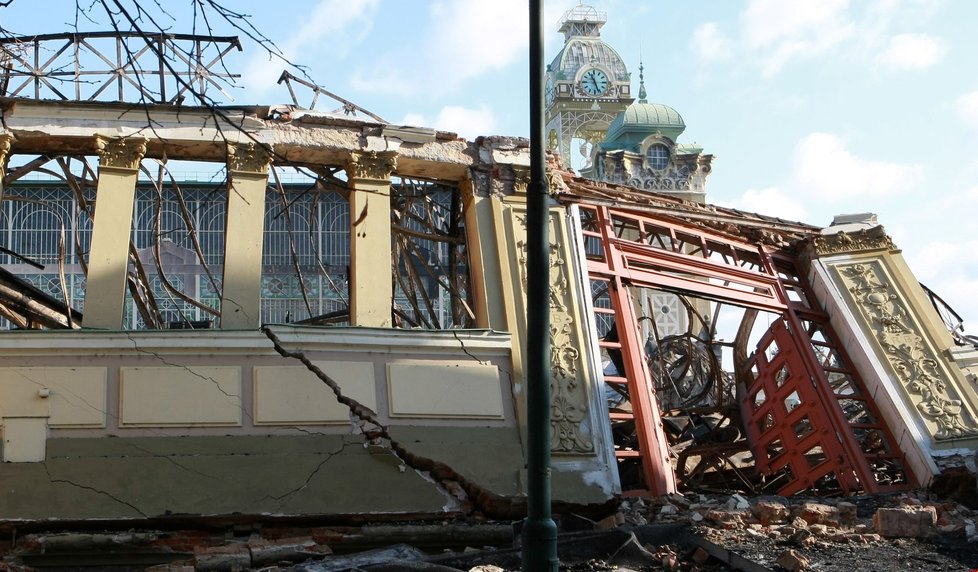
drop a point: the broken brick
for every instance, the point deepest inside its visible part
(817, 513)
(906, 521)
(792, 560)
(769, 512)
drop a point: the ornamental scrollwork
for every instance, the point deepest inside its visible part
(915, 363)
(672, 178)
(372, 165)
(845, 242)
(568, 397)
(124, 153)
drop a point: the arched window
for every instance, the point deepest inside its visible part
(657, 156)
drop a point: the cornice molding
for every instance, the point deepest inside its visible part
(187, 343)
(848, 242)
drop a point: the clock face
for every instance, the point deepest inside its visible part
(550, 90)
(594, 82)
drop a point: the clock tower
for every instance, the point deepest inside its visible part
(587, 86)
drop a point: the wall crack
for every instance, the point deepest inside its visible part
(447, 479)
(51, 479)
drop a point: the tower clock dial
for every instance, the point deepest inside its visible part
(595, 82)
(550, 91)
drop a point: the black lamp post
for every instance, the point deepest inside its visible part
(539, 531)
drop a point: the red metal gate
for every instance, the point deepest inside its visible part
(790, 434)
(806, 414)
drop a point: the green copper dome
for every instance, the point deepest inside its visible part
(641, 119)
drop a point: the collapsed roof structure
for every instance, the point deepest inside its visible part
(332, 321)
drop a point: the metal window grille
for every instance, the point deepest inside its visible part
(31, 222)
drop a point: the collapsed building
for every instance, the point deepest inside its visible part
(331, 321)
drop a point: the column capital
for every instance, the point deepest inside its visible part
(475, 183)
(371, 165)
(120, 153)
(521, 179)
(6, 139)
(249, 157)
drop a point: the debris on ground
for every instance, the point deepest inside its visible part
(688, 533)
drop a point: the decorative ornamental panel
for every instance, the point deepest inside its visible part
(917, 366)
(570, 432)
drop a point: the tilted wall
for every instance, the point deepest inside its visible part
(898, 343)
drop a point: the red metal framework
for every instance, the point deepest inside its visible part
(832, 436)
(806, 410)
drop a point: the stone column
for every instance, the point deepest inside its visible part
(371, 283)
(5, 140)
(108, 257)
(896, 342)
(244, 235)
(483, 243)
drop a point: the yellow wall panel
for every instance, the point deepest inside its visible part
(430, 389)
(294, 395)
(189, 396)
(75, 395)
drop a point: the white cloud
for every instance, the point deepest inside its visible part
(467, 122)
(709, 44)
(967, 108)
(912, 52)
(333, 25)
(770, 201)
(950, 269)
(465, 39)
(773, 34)
(825, 169)
(946, 258)
(768, 22)
(779, 31)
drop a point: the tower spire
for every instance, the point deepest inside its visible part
(641, 82)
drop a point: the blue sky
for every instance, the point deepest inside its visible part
(812, 107)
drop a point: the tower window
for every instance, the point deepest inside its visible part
(657, 156)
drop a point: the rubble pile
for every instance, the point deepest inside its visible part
(800, 533)
(691, 533)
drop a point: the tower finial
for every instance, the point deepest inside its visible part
(641, 83)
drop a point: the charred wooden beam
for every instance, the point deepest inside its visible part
(23, 298)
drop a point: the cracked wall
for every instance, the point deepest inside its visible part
(195, 424)
(309, 420)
